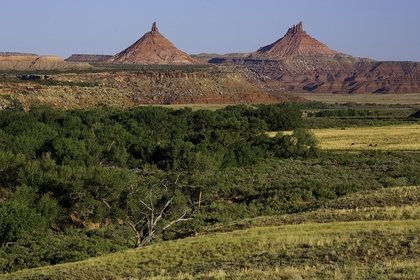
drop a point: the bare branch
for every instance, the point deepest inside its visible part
(162, 211)
(8, 244)
(181, 218)
(145, 205)
(106, 203)
(177, 177)
(152, 235)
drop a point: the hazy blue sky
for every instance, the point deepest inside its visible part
(378, 29)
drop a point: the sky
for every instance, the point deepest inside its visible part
(384, 30)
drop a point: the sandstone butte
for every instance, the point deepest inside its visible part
(295, 42)
(152, 49)
(299, 63)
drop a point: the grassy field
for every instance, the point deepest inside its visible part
(386, 99)
(329, 243)
(394, 137)
(386, 138)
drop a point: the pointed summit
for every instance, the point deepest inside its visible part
(154, 28)
(296, 29)
(152, 48)
(296, 42)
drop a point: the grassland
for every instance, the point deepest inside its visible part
(377, 242)
(393, 137)
(385, 138)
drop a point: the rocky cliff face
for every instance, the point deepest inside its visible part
(153, 48)
(299, 63)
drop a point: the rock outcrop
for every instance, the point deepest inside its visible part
(152, 49)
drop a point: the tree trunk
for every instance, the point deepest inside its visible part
(137, 233)
(146, 240)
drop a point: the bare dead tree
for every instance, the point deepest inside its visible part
(156, 211)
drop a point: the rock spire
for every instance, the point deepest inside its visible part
(154, 28)
(152, 48)
(295, 29)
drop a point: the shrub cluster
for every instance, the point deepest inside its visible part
(66, 169)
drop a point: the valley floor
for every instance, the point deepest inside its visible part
(386, 99)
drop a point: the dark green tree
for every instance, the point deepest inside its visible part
(25, 212)
(282, 116)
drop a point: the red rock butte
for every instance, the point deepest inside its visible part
(152, 48)
(295, 43)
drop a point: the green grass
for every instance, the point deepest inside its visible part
(378, 240)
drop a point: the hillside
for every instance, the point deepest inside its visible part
(374, 242)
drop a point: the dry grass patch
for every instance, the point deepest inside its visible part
(393, 137)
